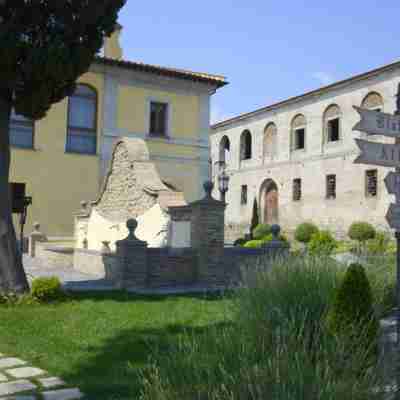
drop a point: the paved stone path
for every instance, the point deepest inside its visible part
(70, 279)
(19, 381)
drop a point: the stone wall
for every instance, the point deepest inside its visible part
(174, 267)
(122, 178)
(171, 267)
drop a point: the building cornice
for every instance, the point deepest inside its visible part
(292, 100)
(215, 80)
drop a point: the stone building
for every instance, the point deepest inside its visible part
(296, 158)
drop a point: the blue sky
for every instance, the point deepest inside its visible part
(268, 50)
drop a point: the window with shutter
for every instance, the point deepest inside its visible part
(331, 187)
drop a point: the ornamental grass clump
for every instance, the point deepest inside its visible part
(378, 245)
(274, 346)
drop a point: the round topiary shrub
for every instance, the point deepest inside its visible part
(304, 232)
(361, 231)
(352, 310)
(46, 289)
(254, 244)
(322, 243)
(261, 231)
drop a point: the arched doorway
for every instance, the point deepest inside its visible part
(269, 201)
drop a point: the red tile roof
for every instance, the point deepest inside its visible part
(216, 80)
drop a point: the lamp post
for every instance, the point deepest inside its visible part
(223, 179)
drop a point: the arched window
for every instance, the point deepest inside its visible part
(270, 140)
(224, 150)
(298, 127)
(21, 131)
(82, 121)
(245, 145)
(373, 101)
(332, 123)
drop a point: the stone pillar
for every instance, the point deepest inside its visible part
(34, 237)
(81, 220)
(132, 255)
(207, 234)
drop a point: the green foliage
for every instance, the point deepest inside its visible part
(239, 242)
(361, 231)
(304, 232)
(352, 310)
(276, 349)
(322, 243)
(15, 299)
(46, 45)
(254, 244)
(263, 241)
(47, 289)
(379, 244)
(261, 230)
(255, 221)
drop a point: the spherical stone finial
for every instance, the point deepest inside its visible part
(275, 230)
(131, 224)
(84, 205)
(36, 226)
(208, 188)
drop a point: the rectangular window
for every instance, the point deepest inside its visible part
(158, 118)
(243, 199)
(299, 138)
(82, 124)
(331, 186)
(333, 130)
(21, 131)
(296, 189)
(371, 183)
(17, 192)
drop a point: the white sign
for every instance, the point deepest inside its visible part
(393, 216)
(392, 182)
(386, 155)
(378, 123)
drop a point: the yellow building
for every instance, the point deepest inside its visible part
(62, 159)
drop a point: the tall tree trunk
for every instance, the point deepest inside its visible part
(12, 274)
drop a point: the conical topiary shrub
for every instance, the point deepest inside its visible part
(352, 312)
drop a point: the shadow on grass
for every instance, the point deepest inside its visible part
(111, 371)
(123, 296)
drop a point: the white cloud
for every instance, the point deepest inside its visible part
(324, 78)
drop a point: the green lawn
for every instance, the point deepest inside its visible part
(99, 342)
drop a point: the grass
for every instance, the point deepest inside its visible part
(99, 342)
(279, 347)
(268, 341)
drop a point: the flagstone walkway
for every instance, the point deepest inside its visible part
(19, 381)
